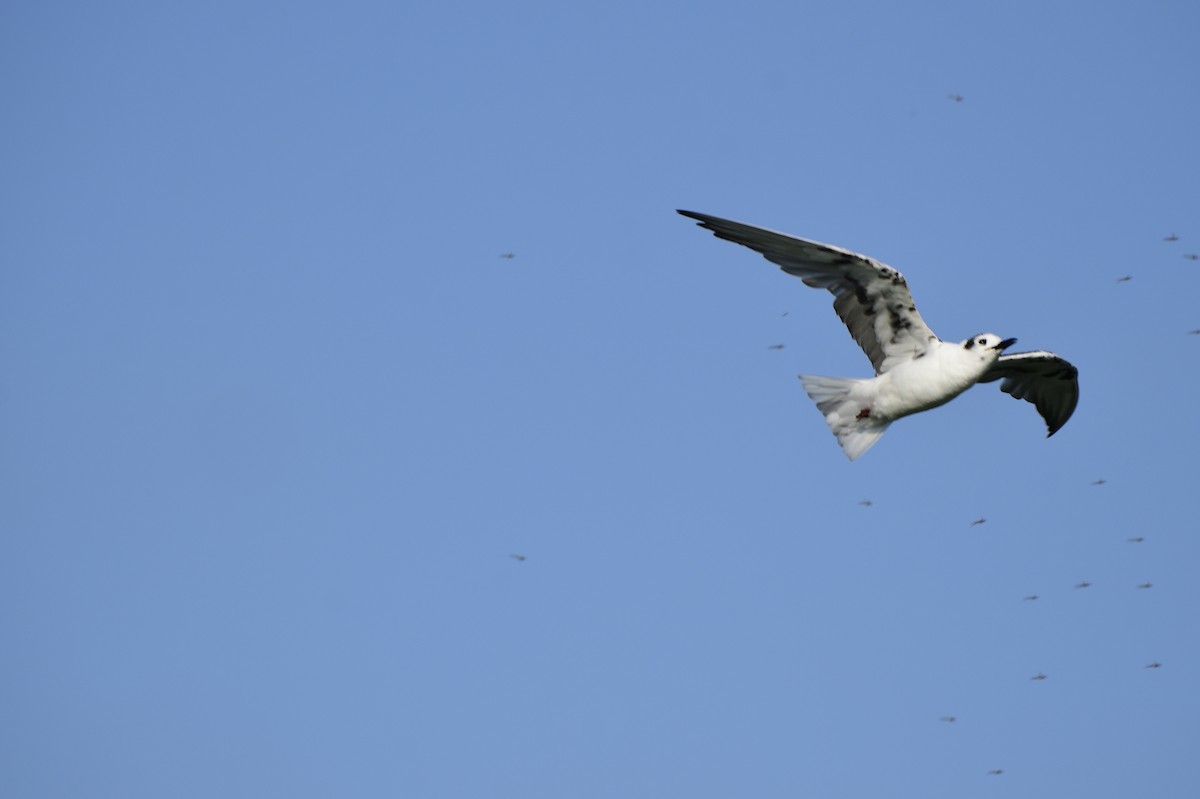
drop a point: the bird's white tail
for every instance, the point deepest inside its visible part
(845, 402)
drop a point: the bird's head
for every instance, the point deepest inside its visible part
(988, 346)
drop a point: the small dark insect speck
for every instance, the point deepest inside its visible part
(866, 503)
(1191, 256)
(1084, 584)
(1125, 278)
(1154, 665)
(996, 772)
(947, 718)
(1146, 585)
(776, 346)
(1038, 676)
(508, 255)
(1172, 237)
(1099, 482)
(1031, 597)
(958, 98)
(980, 520)
(518, 557)
(1137, 539)
(1195, 332)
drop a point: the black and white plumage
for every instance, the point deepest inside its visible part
(914, 369)
(1051, 383)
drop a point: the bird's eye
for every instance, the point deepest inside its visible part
(982, 341)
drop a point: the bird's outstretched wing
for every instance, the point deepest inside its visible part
(870, 297)
(1043, 378)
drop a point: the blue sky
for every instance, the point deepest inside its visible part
(277, 414)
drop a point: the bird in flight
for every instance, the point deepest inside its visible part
(1038, 676)
(978, 521)
(1084, 584)
(1031, 597)
(955, 97)
(1099, 482)
(1125, 278)
(776, 346)
(508, 256)
(947, 718)
(1154, 665)
(914, 369)
(866, 503)
(1172, 237)
(996, 772)
(520, 558)
(1146, 585)
(1137, 539)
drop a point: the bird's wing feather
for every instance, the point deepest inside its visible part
(1043, 378)
(870, 297)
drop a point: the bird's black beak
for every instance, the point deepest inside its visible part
(1003, 345)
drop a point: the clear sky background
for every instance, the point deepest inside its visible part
(276, 414)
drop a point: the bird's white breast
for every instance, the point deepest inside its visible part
(927, 381)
